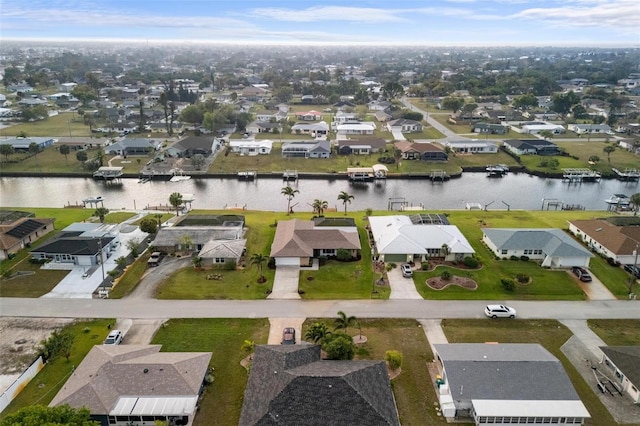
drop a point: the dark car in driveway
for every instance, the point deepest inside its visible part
(633, 270)
(582, 274)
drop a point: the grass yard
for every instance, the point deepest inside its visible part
(617, 332)
(36, 284)
(118, 217)
(131, 277)
(544, 284)
(222, 399)
(414, 394)
(50, 379)
(188, 283)
(49, 161)
(615, 279)
(64, 124)
(548, 333)
(482, 160)
(344, 280)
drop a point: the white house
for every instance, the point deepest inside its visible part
(251, 146)
(553, 247)
(314, 129)
(533, 128)
(311, 149)
(356, 128)
(473, 146)
(583, 129)
(623, 367)
(405, 126)
(401, 239)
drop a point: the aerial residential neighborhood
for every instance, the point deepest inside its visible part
(319, 214)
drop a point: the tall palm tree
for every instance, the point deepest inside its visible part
(608, 150)
(289, 192)
(445, 250)
(346, 198)
(319, 206)
(101, 212)
(34, 149)
(175, 199)
(343, 321)
(258, 259)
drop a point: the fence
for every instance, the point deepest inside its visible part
(17, 386)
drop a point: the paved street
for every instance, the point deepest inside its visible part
(427, 309)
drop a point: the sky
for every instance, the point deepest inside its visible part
(303, 22)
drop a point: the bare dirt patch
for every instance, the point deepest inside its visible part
(438, 283)
(20, 340)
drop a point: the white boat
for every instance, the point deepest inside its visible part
(618, 199)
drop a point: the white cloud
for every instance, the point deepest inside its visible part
(618, 14)
(325, 13)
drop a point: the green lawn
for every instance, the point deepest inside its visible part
(188, 283)
(40, 281)
(222, 400)
(550, 334)
(615, 279)
(50, 379)
(544, 284)
(131, 277)
(617, 332)
(64, 124)
(481, 160)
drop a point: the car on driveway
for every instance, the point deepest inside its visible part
(407, 272)
(499, 311)
(633, 270)
(114, 338)
(581, 273)
(288, 336)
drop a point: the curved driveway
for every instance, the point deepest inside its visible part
(427, 309)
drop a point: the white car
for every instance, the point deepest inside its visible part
(407, 272)
(495, 311)
(114, 338)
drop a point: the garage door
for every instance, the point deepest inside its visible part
(287, 261)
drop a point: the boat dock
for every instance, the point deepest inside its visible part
(93, 201)
(247, 175)
(438, 176)
(290, 175)
(109, 174)
(498, 170)
(376, 172)
(627, 174)
(580, 175)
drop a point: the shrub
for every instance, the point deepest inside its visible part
(522, 278)
(445, 275)
(394, 359)
(508, 285)
(343, 255)
(471, 262)
(514, 258)
(322, 260)
(271, 264)
(524, 258)
(230, 265)
(425, 266)
(393, 265)
(339, 346)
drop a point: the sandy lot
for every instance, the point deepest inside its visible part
(19, 341)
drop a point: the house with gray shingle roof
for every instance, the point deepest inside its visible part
(291, 385)
(623, 364)
(180, 238)
(553, 247)
(130, 384)
(314, 149)
(493, 382)
(133, 146)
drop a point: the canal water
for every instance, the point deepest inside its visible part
(516, 191)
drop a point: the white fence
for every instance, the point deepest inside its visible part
(20, 383)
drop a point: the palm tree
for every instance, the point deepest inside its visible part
(100, 156)
(197, 262)
(608, 150)
(65, 150)
(258, 259)
(317, 332)
(249, 346)
(289, 192)
(346, 198)
(101, 212)
(34, 149)
(6, 150)
(319, 206)
(175, 199)
(445, 250)
(635, 201)
(343, 321)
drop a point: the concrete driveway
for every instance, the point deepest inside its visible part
(401, 287)
(137, 331)
(285, 283)
(276, 325)
(594, 290)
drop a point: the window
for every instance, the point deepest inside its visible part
(218, 260)
(504, 252)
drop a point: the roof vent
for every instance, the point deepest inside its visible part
(145, 371)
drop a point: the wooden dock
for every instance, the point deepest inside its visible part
(627, 174)
(290, 175)
(580, 175)
(247, 175)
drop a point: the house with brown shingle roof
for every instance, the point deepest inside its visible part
(297, 242)
(421, 151)
(611, 241)
(20, 231)
(130, 384)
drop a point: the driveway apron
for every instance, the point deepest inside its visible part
(285, 283)
(401, 287)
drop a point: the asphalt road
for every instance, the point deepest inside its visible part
(427, 309)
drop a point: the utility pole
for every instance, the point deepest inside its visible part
(632, 278)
